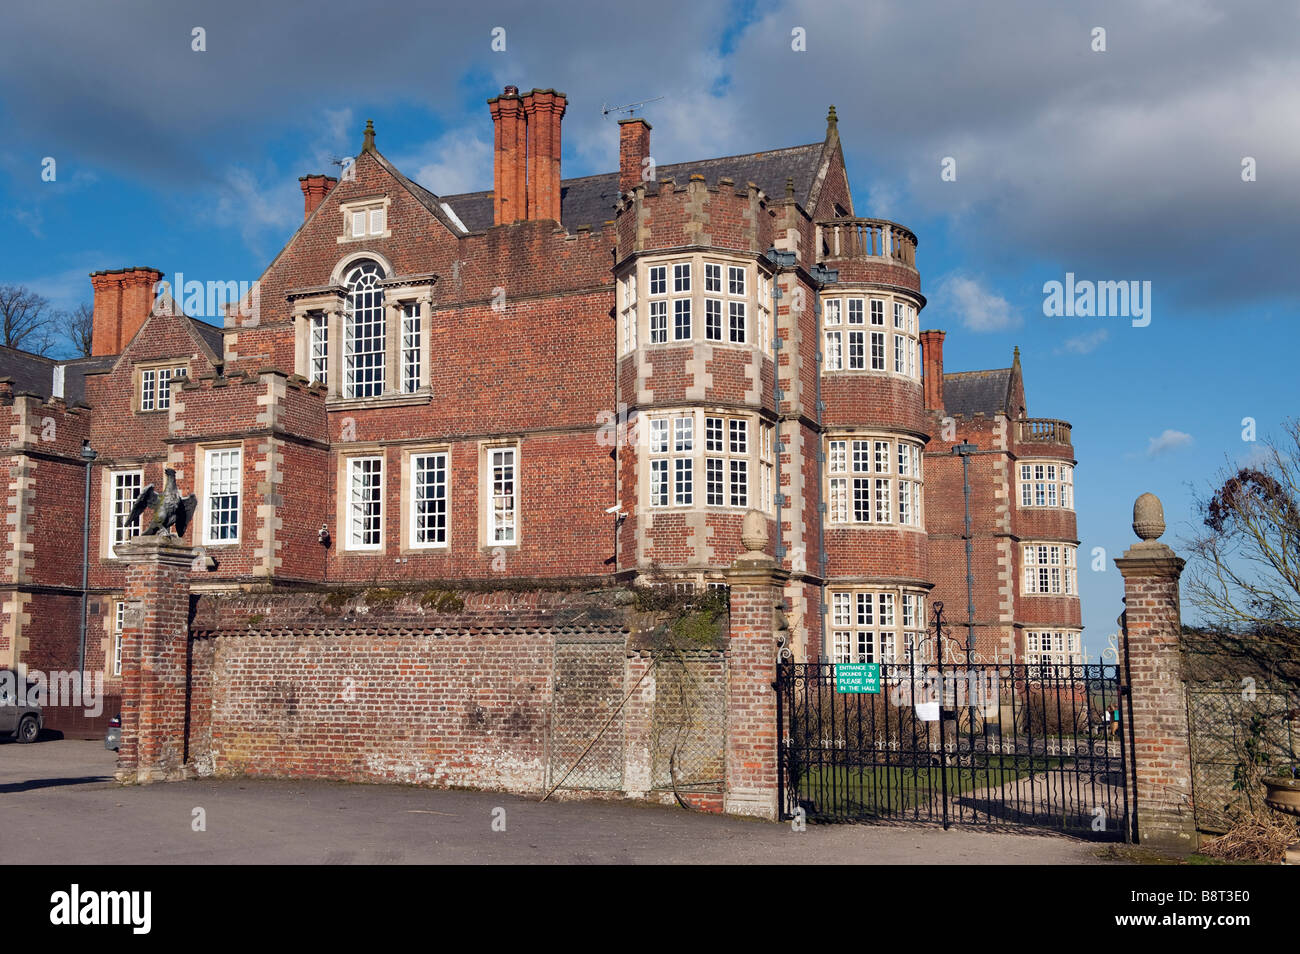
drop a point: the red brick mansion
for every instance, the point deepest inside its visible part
(588, 379)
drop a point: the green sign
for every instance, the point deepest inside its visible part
(857, 677)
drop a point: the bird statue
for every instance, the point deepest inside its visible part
(171, 511)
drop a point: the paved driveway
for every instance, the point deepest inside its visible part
(60, 805)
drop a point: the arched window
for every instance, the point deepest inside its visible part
(363, 332)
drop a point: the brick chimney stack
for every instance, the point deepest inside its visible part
(509, 201)
(633, 150)
(124, 298)
(544, 108)
(314, 189)
(932, 356)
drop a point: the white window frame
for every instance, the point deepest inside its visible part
(213, 457)
(120, 508)
(318, 348)
(374, 320)
(866, 474)
(155, 382)
(873, 624)
(502, 501)
(412, 352)
(119, 624)
(442, 492)
(1050, 568)
(1046, 484)
(355, 529)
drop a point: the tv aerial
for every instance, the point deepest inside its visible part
(629, 108)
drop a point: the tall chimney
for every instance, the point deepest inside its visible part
(633, 150)
(314, 189)
(544, 108)
(932, 359)
(124, 298)
(509, 201)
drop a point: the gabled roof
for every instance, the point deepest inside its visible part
(590, 200)
(975, 392)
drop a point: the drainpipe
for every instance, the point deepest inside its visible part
(88, 456)
(781, 260)
(822, 276)
(965, 450)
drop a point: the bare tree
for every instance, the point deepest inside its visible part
(1244, 573)
(78, 328)
(26, 320)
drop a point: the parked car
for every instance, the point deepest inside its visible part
(113, 740)
(20, 718)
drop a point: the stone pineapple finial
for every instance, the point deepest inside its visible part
(1148, 517)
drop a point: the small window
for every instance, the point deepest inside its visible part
(682, 319)
(376, 221)
(658, 279)
(358, 224)
(712, 277)
(735, 280)
(712, 319)
(119, 624)
(658, 322)
(682, 277)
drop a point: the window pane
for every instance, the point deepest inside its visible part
(429, 499)
(364, 334)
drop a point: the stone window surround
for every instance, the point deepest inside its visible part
(331, 301)
(918, 480)
(343, 499)
(757, 320)
(365, 204)
(759, 456)
(407, 542)
(1060, 481)
(200, 493)
(106, 516)
(899, 631)
(484, 497)
(1070, 654)
(137, 397)
(1069, 567)
(912, 332)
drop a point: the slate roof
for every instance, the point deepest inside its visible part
(972, 392)
(590, 200)
(34, 373)
(212, 336)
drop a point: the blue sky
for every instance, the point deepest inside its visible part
(1123, 164)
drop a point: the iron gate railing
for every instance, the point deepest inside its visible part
(985, 743)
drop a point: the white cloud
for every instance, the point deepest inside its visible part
(1085, 343)
(1169, 440)
(975, 306)
(451, 164)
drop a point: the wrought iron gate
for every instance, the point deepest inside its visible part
(995, 744)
